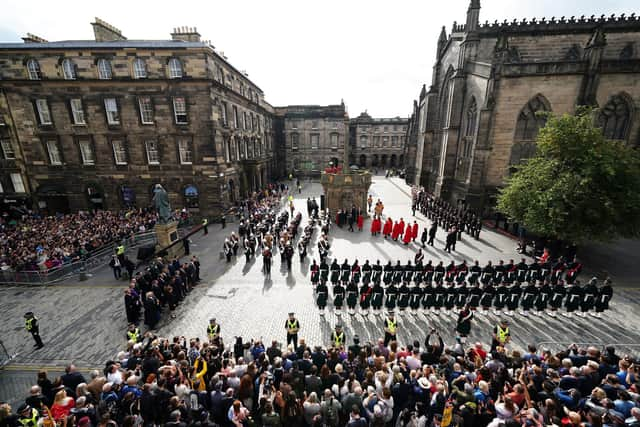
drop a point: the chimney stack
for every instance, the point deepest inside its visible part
(186, 34)
(32, 38)
(105, 32)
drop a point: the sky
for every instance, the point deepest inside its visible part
(373, 54)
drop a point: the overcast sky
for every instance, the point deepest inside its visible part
(374, 54)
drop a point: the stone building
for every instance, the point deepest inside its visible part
(377, 142)
(95, 123)
(309, 137)
(478, 117)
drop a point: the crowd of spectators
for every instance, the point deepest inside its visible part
(180, 382)
(36, 243)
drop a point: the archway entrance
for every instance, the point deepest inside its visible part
(53, 199)
(383, 161)
(374, 160)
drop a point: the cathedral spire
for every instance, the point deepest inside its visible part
(473, 16)
(442, 41)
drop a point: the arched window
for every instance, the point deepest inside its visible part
(191, 197)
(529, 122)
(175, 68)
(104, 69)
(615, 117)
(33, 69)
(364, 141)
(68, 69)
(472, 119)
(139, 69)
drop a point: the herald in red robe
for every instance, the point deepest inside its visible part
(360, 222)
(388, 226)
(396, 231)
(415, 231)
(408, 235)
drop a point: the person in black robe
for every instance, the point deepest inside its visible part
(356, 272)
(487, 273)
(345, 272)
(428, 297)
(462, 293)
(474, 272)
(428, 272)
(398, 272)
(439, 271)
(324, 271)
(521, 272)
(315, 273)
(533, 272)
(475, 293)
(499, 272)
(488, 293)
(408, 272)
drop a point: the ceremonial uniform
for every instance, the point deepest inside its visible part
(345, 272)
(590, 291)
(391, 294)
(574, 297)
(366, 293)
(352, 297)
(403, 296)
(528, 297)
(510, 272)
(557, 296)
(315, 273)
(543, 296)
(376, 275)
(463, 324)
(324, 271)
(439, 293)
(499, 272)
(462, 293)
(449, 298)
(533, 272)
(461, 272)
(408, 272)
(428, 296)
(322, 294)
(450, 273)
(366, 273)
(488, 293)
(398, 272)
(438, 272)
(573, 270)
(335, 272)
(355, 272)
(487, 273)
(513, 297)
(415, 296)
(475, 272)
(428, 272)
(605, 293)
(500, 299)
(377, 296)
(338, 297)
(521, 272)
(388, 274)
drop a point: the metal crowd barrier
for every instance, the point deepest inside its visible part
(562, 345)
(96, 259)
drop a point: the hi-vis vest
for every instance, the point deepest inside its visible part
(213, 330)
(205, 221)
(502, 333)
(133, 335)
(28, 323)
(31, 422)
(292, 325)
(120, 250)
(338, 339)
(391, 325)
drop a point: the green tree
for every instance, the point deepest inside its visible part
(579, 186)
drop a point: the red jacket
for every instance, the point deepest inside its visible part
(408, 235)
(415, 230)
(388, 225)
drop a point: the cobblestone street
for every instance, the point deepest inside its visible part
(85, 321)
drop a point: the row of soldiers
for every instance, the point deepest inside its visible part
(458, 273)
(435, 291)
(446, 215)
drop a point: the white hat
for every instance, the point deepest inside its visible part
(424, 383)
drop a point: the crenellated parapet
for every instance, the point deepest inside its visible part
(612, 22)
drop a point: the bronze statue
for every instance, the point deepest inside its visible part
(161, 202)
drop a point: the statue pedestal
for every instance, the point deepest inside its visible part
(342, 191)
(167, 234)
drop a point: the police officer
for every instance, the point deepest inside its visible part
(292, 325)
(205, 223)
(31, 323)
(337, 337)
(120, 253)
(390, 328)
(213, 330)
(133, 333)
(501, 335)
